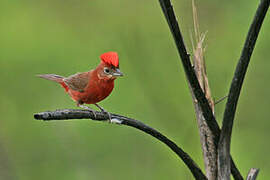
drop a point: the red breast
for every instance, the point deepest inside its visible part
(97, 90)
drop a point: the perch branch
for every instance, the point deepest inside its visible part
(234, 93)
(67, 114)
(192, 79)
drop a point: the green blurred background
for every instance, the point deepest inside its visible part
(65, 37)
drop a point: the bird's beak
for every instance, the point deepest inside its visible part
(117, 72)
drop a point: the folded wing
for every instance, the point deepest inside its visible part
(78, 82)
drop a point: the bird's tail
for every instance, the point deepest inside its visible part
(54, 77)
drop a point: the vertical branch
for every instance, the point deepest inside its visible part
(190, 73)
(206, 136)
(234, 93)
(192, 79)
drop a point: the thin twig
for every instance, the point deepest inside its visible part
(67, 114)
(192, 79)
(221, 99)
(234, 93)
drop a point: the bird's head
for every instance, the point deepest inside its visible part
(109, 66)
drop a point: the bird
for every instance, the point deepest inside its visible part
(93, 86)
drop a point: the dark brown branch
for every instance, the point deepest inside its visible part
(67, 114)
(191, 76)
(192, 79)
(252, 174)
(234, 93)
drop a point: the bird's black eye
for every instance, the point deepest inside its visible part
(106, 70)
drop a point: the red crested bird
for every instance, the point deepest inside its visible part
(93, 86)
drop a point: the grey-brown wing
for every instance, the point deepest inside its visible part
(78, 82)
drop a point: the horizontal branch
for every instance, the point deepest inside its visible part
(68, 114)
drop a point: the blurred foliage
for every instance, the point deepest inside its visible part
(65, 37)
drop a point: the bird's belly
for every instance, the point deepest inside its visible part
(91, 95)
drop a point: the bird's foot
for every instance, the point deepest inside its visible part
(105, 112)
(109, 114)
(89, 109)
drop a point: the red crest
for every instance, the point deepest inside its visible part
(110, 58)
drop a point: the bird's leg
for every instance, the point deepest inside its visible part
(101, 108)
(87, 108)
(104, 111)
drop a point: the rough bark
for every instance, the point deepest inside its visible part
(206, 136)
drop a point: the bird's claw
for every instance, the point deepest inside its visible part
(109, 115)
(105, 112)
(94, 113)
(89, 109)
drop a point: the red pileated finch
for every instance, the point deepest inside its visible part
(93, 86)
